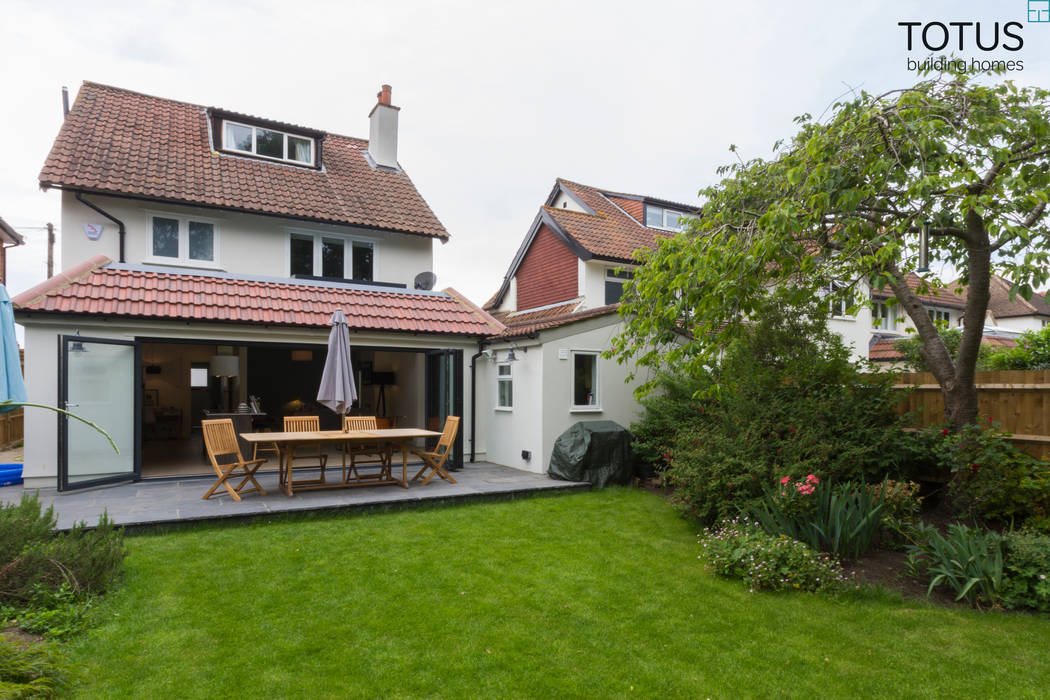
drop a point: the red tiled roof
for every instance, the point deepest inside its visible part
(98, 287)
(611, 233)
(884, 350)
(1002, 306)
(122, 142)
(941, 296)
(525, 323)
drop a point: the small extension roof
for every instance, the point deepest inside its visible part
(119, 142)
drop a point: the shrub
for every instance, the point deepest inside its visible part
(30, 672)
(741, 549)
(952, 337)
(37, 561)
(967, 560)
(785, 399)
(991, 478)
(1026, 571)
(1032, 352)
(842, 519)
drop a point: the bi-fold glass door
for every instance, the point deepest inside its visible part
(97, 382)
(444, 395)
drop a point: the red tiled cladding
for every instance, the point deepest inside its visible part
(124, 142)
(634, 207)
(548, 272)
(110, 291)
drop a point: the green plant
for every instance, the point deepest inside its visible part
(1032, 352)
(991, 478)
(1026, 571)
(34, 671)
(785, 399)
(741, 549)
(910, 347)
(967, 560)
(842, 519)
(37, 561)
(56, 614)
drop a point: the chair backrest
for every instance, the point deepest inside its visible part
(448, 435)
(220, 439)
(359, 423)
(302, 424)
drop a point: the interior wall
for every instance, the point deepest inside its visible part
(172, 384)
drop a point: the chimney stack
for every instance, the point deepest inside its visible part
(382, 133)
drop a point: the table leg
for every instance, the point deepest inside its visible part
(404, 464)
(288, 470)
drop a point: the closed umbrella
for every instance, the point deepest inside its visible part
(12, 386)
(338, 391)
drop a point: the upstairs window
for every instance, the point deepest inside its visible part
(267, 143)
(182, 240)
(660, 217)
(940, 317)
(883, 316)
(331, 256)
(614, 280)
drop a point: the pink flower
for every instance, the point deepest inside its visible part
(785, 479)
(806, 489)
(812, 479)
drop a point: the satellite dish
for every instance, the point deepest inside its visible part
(426, 280)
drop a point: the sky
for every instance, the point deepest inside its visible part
(497, 99)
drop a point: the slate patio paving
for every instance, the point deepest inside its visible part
(165, 501)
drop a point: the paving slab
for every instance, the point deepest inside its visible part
(154, 502)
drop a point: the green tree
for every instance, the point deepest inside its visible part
(840, 207)
(911, 348)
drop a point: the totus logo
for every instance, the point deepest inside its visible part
(970, 42)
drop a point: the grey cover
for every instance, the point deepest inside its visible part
(337, 390)
(598, 451)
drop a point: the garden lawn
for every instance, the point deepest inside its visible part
(593, 594)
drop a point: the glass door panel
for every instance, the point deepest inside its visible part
(98, 384)
(444, 396)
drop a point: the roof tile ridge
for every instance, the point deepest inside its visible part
(475, 310)
(61, 280)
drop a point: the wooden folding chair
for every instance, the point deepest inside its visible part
(220, 440)
(434, 461)
(305, 424)
(370, 453)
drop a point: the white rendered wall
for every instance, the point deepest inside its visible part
(247, 244)
(542, 394)
(41, 363)
(1021, 323)
(564, 201)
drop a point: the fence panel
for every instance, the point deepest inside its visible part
(1018, 399)
(11, 428)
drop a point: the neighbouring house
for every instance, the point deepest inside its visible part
(9, 238)
(203, 254)
(558, 303)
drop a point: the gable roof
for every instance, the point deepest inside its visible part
(100, 287)
(115, 141)
(9, 235)
(1002, 306)
(603, 231)
(521, 324)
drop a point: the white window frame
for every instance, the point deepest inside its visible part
(596, 407)
(610, 276)
(840, 314)
(184, 259)
(936, 315)
(348, 248)
(254, 151)
(664, 212)
(891, 316)
(505, 378)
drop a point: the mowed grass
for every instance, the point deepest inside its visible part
(586, 595)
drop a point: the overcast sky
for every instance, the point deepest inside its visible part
(497, 99)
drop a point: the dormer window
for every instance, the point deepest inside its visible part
(661, 217)
(267, 143)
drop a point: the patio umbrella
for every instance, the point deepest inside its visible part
(337, 390)
(12, 386)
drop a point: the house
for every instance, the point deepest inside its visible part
(558, 303)
(203, 253)
(9, 238)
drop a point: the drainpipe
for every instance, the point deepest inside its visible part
(120, 224)
(474, 400)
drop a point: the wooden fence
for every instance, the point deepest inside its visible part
(11, 428)
(1018, 399)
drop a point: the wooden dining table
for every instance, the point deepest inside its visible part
(383, 437)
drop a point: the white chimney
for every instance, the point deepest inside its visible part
(382, 133)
